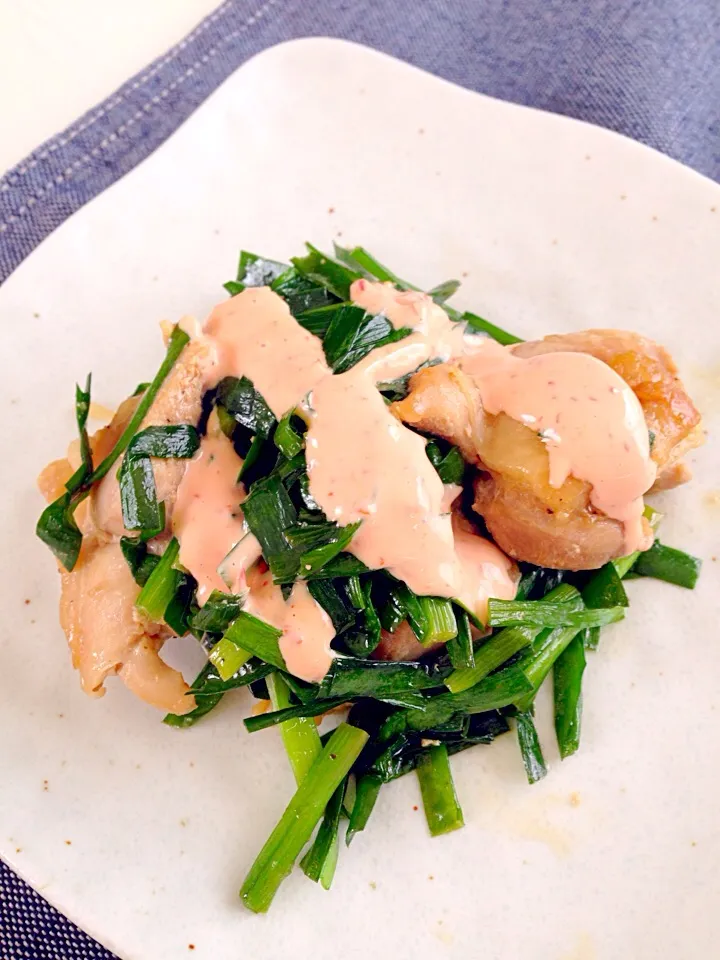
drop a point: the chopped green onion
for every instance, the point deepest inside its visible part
(538, 660)
(138, 495)
(477, 323)
(141, 562)
(319, 862)
(287, 439)
(431, 618)
(343, 565)
(334, 276)
(245, 405)
(460, 647)
(506, 613)
(669, 564)
(82, 411)
(443, 291)
(259, 638)
(355, 592)
(255, 271)
(299, 734)
(605, 589)
(313, 708)
(209, 688)
(316, 558)
(442, 809)
(217, 613)
(366, 794)
(269, 511)
(359, 259)
(567, 691)
(353, 334)
(496, 650)
(492, 693)
(161, 585)
(304, 811)
(227, 657)
(530, 749)
(350, 677)
(450, 465)
(301, 294)
(334, 603)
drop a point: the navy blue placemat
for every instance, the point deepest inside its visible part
(647, 68)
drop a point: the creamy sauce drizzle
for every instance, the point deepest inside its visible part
(589, 419)
(486, 571)
(363, 464)
(207, 519)
(255, 335)
(307, 629)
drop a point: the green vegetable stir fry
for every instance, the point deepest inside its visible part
(472, 674)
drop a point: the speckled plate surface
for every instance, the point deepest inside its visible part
(142, 834)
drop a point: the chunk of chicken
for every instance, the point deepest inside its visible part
(97, 605)
(650, 372)
(528, 518)
(179, 400)
(107, 635)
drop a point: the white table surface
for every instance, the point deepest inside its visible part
(60, 57)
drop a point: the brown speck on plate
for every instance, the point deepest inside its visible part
(331, 209)
(27, 601)
(191, 946)
(68, 843)
(415, 806)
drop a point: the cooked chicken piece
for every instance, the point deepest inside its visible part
(105, 631)
(649, 370)
(179, 400)
(528, 518)
(107, 635)
(446, 402)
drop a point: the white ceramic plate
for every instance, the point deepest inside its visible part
(142, 834)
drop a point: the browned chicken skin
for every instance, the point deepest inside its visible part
(527, 517)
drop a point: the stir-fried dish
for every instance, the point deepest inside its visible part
(369, 507)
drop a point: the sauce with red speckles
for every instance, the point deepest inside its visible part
(589, 419)
(364, 465)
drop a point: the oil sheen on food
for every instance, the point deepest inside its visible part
(364, 465)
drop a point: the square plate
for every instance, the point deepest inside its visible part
(141, 833)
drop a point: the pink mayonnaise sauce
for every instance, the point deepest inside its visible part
(486, 571)
(363, 464)
(306, 629)
(589, 419)
(255, 335)
(434, 336)
(207, 519)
